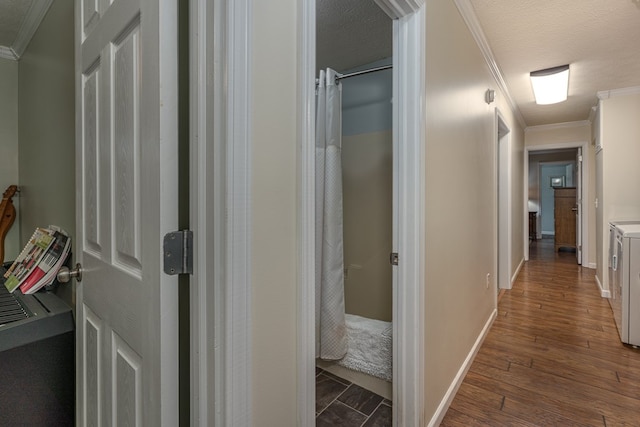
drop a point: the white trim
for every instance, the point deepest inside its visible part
(592, 265)
(8, 53)
(220, 35)
(555, 126)
(459, 378)
(238, 327)
(396, 9)
(306, 348)
(32, 20)
(606, 94)
(502, 185)
(585, 192)
(604, 293)
(515, 274)
(409, 127)
(470, 18)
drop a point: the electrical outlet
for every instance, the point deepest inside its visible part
(488, 279)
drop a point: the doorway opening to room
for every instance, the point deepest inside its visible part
(556, 191)
(407, 251)
(354, 210)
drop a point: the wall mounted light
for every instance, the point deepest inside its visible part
(550, 85)
(489, 96)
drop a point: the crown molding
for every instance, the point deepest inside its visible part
(606, 94)
(32, 20)
(553, 126)
(8, 53)
(399, 8)
(469, 15)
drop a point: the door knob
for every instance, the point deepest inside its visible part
(64, 274)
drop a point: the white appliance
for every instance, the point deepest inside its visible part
(625, 301)
(612, 251)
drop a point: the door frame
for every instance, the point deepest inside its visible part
(220, 214)
(504, 203)
(583, 197)
(409, 123)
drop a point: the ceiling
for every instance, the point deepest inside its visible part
(351, 33)
(598, 38)
(19, 20)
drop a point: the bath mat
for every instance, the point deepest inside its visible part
(370, 344)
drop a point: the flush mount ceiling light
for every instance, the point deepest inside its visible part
(550, 85)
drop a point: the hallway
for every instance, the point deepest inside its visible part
(552, 356)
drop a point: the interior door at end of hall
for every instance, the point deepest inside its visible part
(127, 170)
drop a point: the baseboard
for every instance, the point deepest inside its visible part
(604, 293)
(592, 265)
(455, 385)
(515, 275)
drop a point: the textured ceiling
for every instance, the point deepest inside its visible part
(12, 14)
(598, 38)
(351, 33)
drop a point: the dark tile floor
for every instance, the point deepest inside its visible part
(341, 403)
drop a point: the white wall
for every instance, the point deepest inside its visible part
(367, 188)
(47, 128)
(274, 252)
(461, 196)
(9, 148)
(620, 199)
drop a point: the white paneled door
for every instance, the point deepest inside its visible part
(126, 172)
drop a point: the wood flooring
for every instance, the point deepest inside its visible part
(553, 356)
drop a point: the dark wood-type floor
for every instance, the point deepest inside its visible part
(341, 403)
(553, 356)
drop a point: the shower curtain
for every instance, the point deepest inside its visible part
(331, 332)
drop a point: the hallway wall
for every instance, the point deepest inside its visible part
(461, 196)
(9, 148)
(46, 108)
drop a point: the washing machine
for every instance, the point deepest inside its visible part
(626, 282)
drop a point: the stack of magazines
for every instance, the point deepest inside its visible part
(39, 262)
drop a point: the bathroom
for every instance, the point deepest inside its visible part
(365, 83)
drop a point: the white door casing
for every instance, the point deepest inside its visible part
(503, 150)
(579, 205)
(126, 180)
(220, 132)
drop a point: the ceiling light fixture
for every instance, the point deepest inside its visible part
(551, 85)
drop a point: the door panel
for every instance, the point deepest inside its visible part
(126, 62)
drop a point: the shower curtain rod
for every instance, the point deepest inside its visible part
(357, 73)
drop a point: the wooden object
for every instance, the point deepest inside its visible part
(551, 353)
(7, 216)
(565, 217)
(533, 225)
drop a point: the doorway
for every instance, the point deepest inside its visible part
(409, 207)
(565, 153)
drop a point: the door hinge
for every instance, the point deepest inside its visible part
(393, 258)
(178, 252)
(580, 158)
